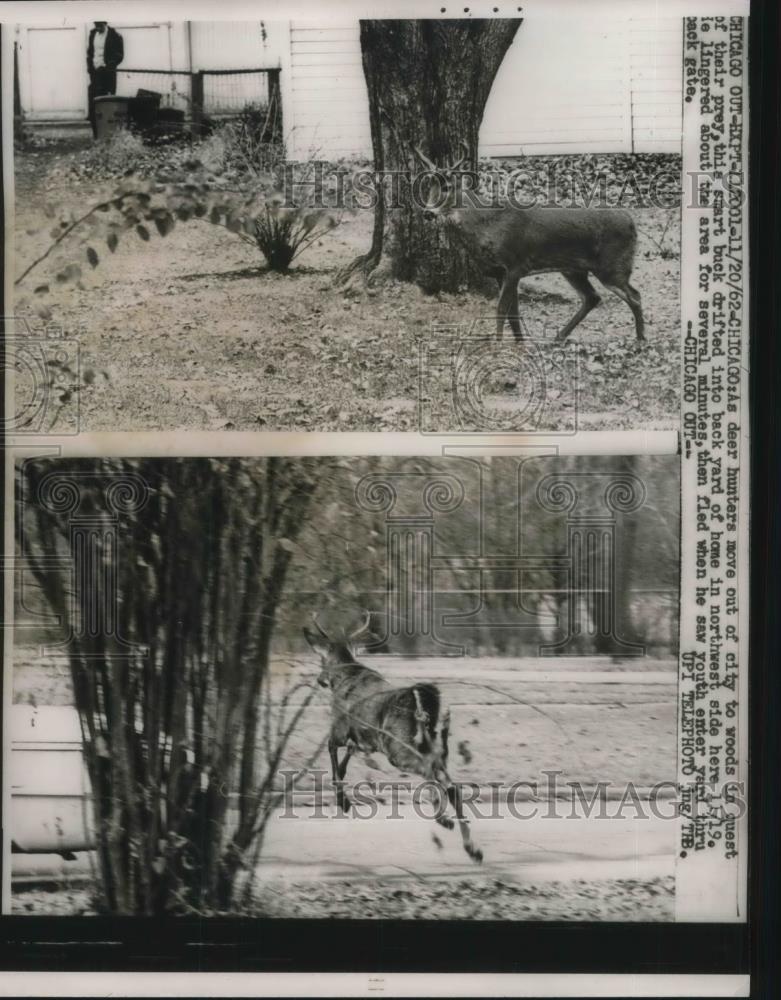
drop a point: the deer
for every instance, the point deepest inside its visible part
(514, 242)
(369, 714)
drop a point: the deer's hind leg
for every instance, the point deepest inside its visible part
(453, 793)
(619, 284)
(440, 761)
(440, 800)
(338, 771)
(589, 298)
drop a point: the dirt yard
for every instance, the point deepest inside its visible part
(190, 332)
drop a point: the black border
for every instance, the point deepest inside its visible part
(765, 541)
(370, 946)
(37, 944)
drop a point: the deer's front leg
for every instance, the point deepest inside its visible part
(349, 751)
(338, 771)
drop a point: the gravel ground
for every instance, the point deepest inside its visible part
(476, 899)
(465, 899)
(53, 900)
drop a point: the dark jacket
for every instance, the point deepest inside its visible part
(113, 54)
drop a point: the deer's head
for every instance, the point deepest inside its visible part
(444, 189)
(336, 651)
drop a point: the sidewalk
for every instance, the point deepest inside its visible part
(533, 850)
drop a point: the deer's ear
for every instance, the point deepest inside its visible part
(317, 642)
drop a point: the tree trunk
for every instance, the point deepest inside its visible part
(428, 83)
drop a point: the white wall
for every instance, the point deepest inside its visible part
(152, 46)
(237, 44)
(53, 64)
(327, 107)
(53, 75)
(50, 85)
(564, 86)
(583, 85)
(656, 51)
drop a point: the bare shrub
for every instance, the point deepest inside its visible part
(181, 736)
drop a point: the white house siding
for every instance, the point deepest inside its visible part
(327, 106)
(572, 86)
(656, 53)
(563, 87)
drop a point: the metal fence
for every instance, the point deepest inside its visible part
(205, 92)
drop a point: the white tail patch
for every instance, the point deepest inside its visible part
(421, 718)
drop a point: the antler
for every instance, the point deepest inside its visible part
(363, 627)
(425, 160)
(430, 165)
(319, 627)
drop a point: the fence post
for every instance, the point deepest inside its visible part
(18, 117)
(196, 100)
(275, 104)
(17, 96)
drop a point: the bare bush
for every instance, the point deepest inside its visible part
(169, 628)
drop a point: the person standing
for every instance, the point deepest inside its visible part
(105, 51)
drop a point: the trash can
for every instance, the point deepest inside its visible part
(111, 115)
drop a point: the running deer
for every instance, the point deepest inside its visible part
(515, 242)
(370, 714)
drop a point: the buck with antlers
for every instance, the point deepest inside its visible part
(515, 241)
(369, 714)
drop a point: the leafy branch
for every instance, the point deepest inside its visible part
(282, 225)
(103, 206)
